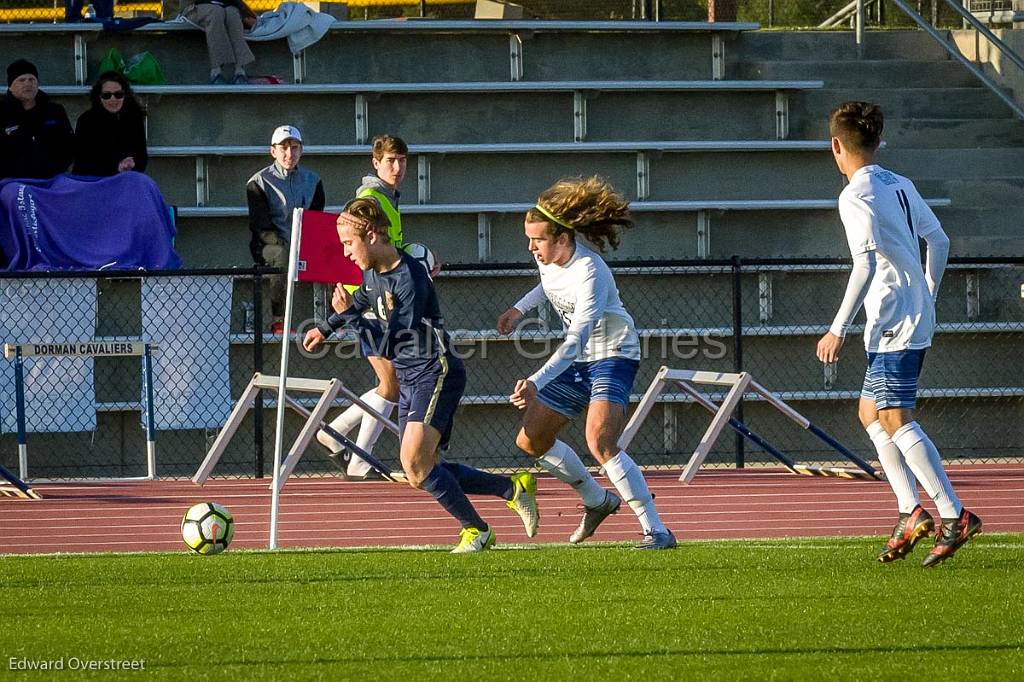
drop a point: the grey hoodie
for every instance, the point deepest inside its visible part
(371, 181)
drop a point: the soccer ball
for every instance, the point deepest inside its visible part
(423, 256)
(207, 528)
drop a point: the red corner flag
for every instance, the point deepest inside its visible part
(321, 256)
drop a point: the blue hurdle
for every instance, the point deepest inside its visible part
(19, 351)
(18, 487)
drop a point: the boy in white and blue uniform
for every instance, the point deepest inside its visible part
(432, 379)
(594, 368)
(884, 216)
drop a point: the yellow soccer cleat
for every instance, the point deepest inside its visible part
(524, 501)
(474, 540)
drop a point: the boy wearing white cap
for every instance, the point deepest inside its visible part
(272, 194)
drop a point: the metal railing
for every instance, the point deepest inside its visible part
(942, 40)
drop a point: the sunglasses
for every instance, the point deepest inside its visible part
(116, 95)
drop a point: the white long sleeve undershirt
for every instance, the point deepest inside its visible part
(533, 298)
(936, 256)
(856, 290)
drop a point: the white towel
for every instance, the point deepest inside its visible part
(293, 20)
(60, 395)
(189, 318)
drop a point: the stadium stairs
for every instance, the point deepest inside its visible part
(716, 132)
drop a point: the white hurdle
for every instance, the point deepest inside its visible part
(739, 384)
(328, 390)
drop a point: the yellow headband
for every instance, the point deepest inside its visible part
(551, 216)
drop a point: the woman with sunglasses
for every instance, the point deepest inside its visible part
(110, 137)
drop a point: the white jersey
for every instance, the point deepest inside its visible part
(883, 212)
(597, 325)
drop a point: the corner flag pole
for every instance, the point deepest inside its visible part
(293, 258)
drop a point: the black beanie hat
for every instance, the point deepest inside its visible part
(19, 68)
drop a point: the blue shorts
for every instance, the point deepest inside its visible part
(891, 378)
(574, 389)
(432, 397)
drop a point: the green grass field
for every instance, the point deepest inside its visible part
(766, 609)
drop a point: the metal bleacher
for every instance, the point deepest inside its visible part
(714, 131)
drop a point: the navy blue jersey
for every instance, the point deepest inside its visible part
(405, 305)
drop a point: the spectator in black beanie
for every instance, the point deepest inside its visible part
(36, 140)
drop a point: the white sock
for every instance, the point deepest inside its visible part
(370, 429)
(565, 465)
(215, 71)
(901, 478)
(629, 481)
(343, 423)
(924, 461)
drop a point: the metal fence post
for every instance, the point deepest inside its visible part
(858, 25)
(737, 336)
(257, 364)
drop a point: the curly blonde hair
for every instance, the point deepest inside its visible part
(589, 206)
(364, 215)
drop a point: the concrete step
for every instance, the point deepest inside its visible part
(868, 73)
(767, 233)
(455, 178)
(351, 55)
(944, 133)
(444, 117)
(983, 231)
(816, 46)
(809, 109)
(991, 231)
(960, 164)
(990, 192)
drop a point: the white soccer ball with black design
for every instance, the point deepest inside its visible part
(423, 256)
(207, 528)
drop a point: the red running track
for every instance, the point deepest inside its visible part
(324, 512)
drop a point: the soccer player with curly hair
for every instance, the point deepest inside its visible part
(594, 368)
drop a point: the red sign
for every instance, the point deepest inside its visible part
(321, 256)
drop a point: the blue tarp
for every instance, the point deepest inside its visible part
(78, 223)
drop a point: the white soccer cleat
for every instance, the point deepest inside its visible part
(524, 501)
(474, 540)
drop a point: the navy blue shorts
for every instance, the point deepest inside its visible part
(891, 378)
(371, 335)
(371, 341)
(582, 383)
(432, 397)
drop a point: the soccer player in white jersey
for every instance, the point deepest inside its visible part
(884, 216)
(594, 368)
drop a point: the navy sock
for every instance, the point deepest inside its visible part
(476, 482)
(445, 488)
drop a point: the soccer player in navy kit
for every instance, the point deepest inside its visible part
(883, 216)
(431, 379)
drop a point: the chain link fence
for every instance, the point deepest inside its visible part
(85, 415)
